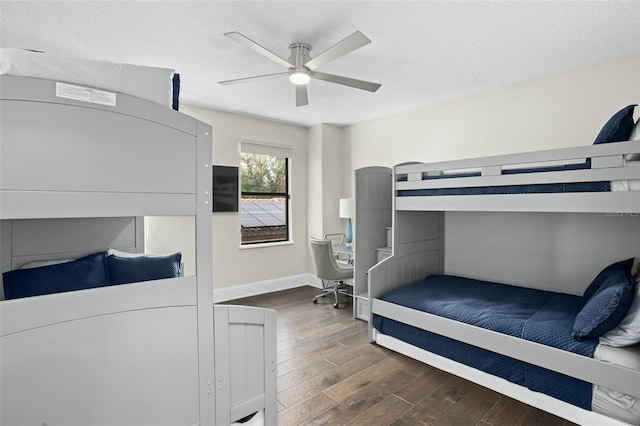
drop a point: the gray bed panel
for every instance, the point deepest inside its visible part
(55, 147)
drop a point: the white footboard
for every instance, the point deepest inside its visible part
(119, 355)
(245, 362)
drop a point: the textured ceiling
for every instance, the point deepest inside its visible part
(422, 52)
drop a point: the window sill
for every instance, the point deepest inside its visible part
(265, 245)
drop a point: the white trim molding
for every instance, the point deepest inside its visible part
(267, 286)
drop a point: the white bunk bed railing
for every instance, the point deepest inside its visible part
(591, 370)
(607, 164)
(609, 155)
(18, 315)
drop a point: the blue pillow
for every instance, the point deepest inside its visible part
(123, 270)
(618, 128)
(623, 265)
(606, 308)
(176, 91)
(87, 272)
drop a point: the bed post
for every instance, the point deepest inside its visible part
(204, 273)
(5, 250)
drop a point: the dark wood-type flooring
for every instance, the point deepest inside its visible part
(329, 374)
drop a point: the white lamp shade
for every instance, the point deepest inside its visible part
(346, 208)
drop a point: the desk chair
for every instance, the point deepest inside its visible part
(327, 269)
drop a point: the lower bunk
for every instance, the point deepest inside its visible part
(536, 346)
(127, 351)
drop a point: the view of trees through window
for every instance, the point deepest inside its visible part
(264, 198)
(262, 173)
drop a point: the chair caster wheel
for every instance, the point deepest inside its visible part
(315, 301)
(336, 305)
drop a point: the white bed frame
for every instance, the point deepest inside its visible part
(78, 177)
(607, 164)
(418, 250)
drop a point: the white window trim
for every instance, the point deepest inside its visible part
(265, 245)
(275, 149)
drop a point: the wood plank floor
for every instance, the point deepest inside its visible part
(329, 374)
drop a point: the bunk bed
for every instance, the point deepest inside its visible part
(80, 168)
(542, 353)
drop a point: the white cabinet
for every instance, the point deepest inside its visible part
(361, 308)
(372, 230)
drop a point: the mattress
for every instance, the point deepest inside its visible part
(536, 315)
(159, 85)
(572, 187)
(629, 184)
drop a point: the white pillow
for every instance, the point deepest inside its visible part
(111, 252)
(627, 332)
(127, 254)
(635, 133)
(635, 136)
(149, 83)
(41, 263)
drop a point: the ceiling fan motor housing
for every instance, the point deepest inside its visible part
(299, 55)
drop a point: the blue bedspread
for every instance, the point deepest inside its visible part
(541, 316)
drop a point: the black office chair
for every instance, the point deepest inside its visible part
(327, 269)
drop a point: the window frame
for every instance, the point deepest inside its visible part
(286, 195)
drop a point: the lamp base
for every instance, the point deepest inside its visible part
(348, 235)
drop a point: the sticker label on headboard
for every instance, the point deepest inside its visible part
(85, 94)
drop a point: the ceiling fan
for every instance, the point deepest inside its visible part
(302, 67)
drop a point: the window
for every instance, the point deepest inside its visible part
(264, 197)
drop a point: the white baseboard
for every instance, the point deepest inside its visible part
(261, 287)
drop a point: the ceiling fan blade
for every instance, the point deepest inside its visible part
(236, 36)
(257, 77)
(341, 48)
(301, 95)
(346, 81)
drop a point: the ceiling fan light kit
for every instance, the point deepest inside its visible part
(301, 66)
(300, 77)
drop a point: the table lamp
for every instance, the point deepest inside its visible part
(346, 212)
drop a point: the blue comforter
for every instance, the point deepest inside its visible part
(540, 316)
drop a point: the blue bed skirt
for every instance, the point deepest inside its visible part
(540, 316)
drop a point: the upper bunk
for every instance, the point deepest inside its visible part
(79, 168)
(599, 178)
(71, 151)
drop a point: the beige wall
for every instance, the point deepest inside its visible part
(326, 180)
(558, 111)
(564, 110)
(233, 265)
